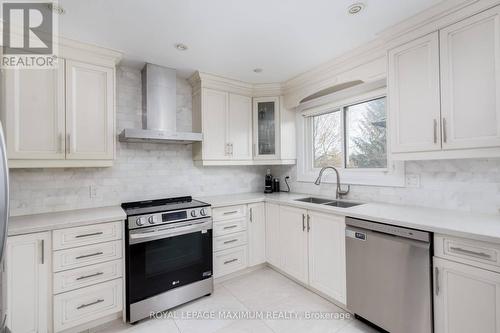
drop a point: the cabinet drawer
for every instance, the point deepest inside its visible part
(229, 227)
(86, 235)
(476, 253)
(86, 276)
(87, 255)
(87, 304)
(229, 261)
(229, 212)
(230, 241)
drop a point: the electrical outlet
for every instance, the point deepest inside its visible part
(413, 180)
(92, 192)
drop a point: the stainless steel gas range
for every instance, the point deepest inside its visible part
(169, 254)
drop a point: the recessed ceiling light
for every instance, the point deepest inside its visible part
(355, 8)
(181, 47)
(56, 8)
(258, 70)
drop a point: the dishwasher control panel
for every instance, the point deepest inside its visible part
(355, 234)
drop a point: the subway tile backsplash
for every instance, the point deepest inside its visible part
(145, 171)
(466, 185)
(141, 171)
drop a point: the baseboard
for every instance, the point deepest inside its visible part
(91, 327)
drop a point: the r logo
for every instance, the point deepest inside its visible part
(27, 28)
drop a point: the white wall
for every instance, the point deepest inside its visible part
(468, 185)
(141, 171)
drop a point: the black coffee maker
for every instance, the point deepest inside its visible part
(268, 185)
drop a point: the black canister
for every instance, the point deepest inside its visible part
(276, 185)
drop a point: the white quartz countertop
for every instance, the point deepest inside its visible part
(59, 220)
(484, 227)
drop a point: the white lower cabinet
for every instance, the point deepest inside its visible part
(256, 234)
(84, 305)
(293, 242)
(230, 261)
(309, 246)
(327, 267)
(28, 283)
(230, 239)
(273, 247)
(87, 255)
(466, 298)
(87, 275)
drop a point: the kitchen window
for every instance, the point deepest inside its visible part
(352, 136)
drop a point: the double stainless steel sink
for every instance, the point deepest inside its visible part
(329, 202)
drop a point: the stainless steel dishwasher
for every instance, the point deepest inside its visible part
(389, 276)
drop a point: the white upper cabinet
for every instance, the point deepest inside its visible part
(256, 234)
(266, 119)
(34, 121)
(89, 111)
(240, 127)
(444, 91)
(215, 104)
(414, 104)
(226, 124)
(327, 270)
(28, 283)
(62, 117)
(470, 82)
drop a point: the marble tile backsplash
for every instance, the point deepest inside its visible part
(467, 185)
(146, 171)
(141, 171)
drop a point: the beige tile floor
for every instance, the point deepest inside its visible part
(252, 303)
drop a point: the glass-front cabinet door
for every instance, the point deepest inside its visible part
(266, 127)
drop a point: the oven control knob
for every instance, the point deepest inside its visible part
(152, 219)
(140, 221)
(203, 212)
(193, 213)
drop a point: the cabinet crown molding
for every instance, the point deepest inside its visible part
(205, 80)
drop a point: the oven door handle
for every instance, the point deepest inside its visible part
(141, 237)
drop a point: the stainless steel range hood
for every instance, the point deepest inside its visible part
(159, 110)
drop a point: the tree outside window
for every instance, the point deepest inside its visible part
(353, 137)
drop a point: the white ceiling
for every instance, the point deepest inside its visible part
(232, 37)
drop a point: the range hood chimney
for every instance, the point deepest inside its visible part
(159, 110)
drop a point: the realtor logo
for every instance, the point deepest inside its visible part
(28, 35)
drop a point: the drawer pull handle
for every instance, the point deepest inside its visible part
(445, 134)
(88, 235)
(436, 280)
(230, 261)
(435, 131)
(89, 255)
(89, 304)
(230, 227)
(83, 277)
(230, 241)
(229, 213)
(472, 253)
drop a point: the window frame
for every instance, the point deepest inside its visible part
(392, 175)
